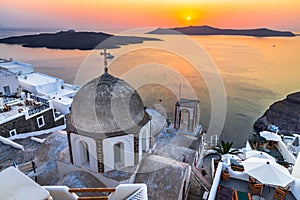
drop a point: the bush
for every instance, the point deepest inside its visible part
(203, 172)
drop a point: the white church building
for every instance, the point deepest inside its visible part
(109, 129)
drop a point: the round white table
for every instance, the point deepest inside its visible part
(256, 197)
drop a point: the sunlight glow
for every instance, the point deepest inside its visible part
(276, 14)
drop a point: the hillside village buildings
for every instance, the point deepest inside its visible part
(31, 102)
(111, 135)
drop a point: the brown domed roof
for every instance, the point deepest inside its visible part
(106, 105)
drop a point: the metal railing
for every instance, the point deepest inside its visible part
(92, 190)
(38, 109)
(39, 99)
(138, 195)
(8, 99)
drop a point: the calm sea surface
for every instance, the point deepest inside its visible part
(255, 72)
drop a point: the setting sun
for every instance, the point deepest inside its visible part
(81, 14)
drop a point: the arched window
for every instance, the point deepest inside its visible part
(184, 119)
(119, 155)
(183, 190)
(84, 153)
(145, 140)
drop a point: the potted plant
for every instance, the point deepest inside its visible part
(225, 147)
(203, 171)
(225, 174)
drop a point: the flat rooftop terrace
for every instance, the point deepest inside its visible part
(5, 73)
(239, 185)
(38, 79)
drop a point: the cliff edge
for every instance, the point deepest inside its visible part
(285, 114)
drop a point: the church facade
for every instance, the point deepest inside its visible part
(106, 129)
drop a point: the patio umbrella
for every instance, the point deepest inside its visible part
(267, 172)
(230, 156)
(257, 138)
(270, 136)
(259, 154)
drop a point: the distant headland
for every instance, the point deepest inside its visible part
(285, 114)
(75, 40)
(208, 30)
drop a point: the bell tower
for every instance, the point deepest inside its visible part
(186, 115)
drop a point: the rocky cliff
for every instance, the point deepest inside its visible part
(284, 113)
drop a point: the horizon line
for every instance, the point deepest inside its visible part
(30, 28)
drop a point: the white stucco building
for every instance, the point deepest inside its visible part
(17, 67)
(9, 83)
(48, 87)
(52, 88)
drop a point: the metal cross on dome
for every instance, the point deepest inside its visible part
(106, 55)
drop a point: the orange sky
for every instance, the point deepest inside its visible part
(114, 14)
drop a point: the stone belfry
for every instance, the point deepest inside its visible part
(106, 123)
(186, 115)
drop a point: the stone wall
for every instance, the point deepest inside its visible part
(30, 125)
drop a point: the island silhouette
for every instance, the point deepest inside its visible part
(75, 40)
(72, 39)
(208, 30)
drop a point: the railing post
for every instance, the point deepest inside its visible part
(34, 170)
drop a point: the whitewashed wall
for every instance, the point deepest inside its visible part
(11, 81)
(75, 142)
(108, 151)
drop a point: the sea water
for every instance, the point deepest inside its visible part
(255, 72)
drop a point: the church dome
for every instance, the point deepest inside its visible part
(107, 105)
